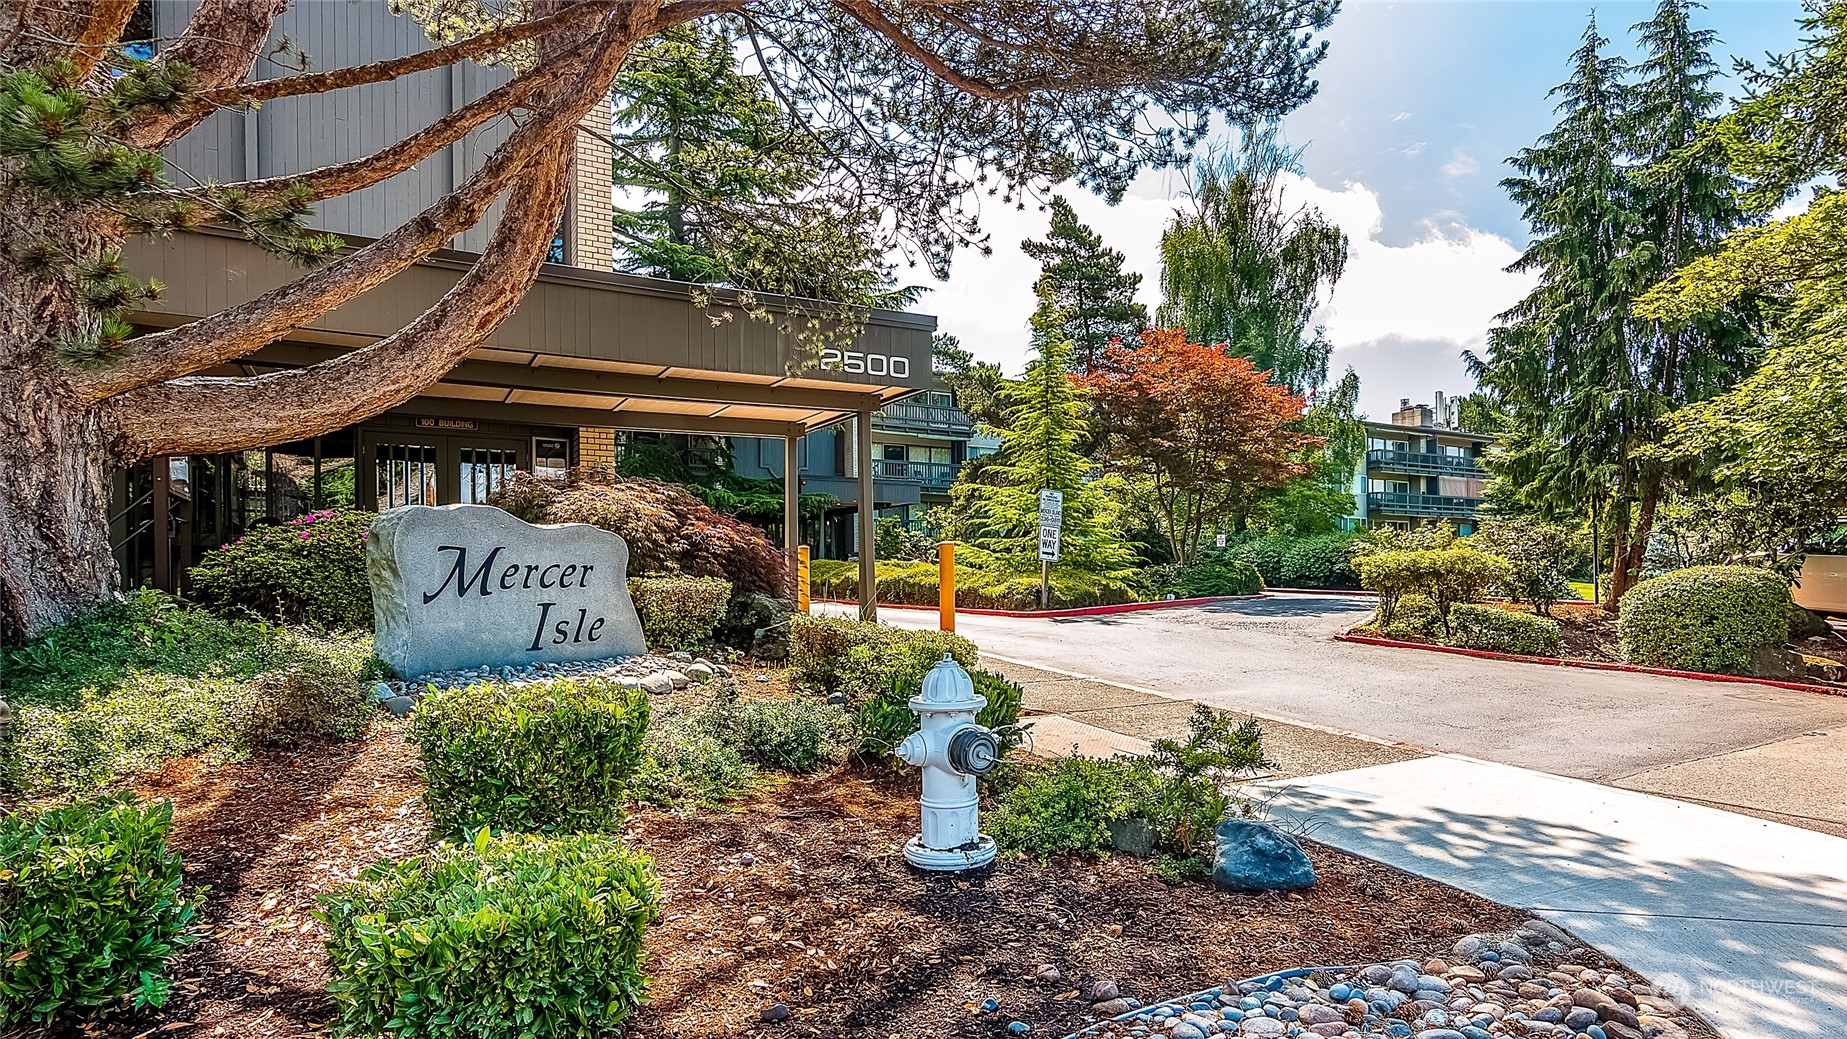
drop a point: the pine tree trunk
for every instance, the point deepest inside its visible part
(55, 556)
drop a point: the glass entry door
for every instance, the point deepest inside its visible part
(421, 469)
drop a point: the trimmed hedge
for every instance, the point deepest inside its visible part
(1447, 576)
(858, 660)
(509, 937)
(916, 583)
(311, 569)
(1300, 561)
(680, 612)
(549, 756)
(1724, 619)
(1485, 627)
(90, 909)
(1214, 572)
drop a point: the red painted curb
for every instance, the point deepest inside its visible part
(1593, 665)
(1081, 611)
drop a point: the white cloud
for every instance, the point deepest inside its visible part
(1460, 164)
(1401, 117)
(1401, 315)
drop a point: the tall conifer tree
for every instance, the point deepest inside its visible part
(1088, 285)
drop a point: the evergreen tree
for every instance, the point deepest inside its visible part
(1039, 451)
(1248, 269)
(1621, 184)
(729, 188)
(1088, 285)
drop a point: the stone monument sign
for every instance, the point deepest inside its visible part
(462, 586)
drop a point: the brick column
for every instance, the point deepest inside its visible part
(596, 446)
(588, 239)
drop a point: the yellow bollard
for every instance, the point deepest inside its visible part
(946, 586)
(801, 578)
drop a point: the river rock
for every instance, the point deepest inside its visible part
(1255, 856)
(466, 586)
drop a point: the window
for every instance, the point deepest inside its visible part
(551, 456)
(893, 453)
(1387, 487)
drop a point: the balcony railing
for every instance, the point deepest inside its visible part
(923, 418)
(934, 475)
(1444, 505)
(1392, 460)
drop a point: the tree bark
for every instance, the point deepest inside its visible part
(54, 453)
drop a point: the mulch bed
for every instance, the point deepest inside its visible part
(828, 920)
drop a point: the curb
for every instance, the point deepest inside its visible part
(1593, 665)
(1081, 611)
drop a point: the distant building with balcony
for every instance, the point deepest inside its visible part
(1420, 468)
(918, 446)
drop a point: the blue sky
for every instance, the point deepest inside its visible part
(1420, 104)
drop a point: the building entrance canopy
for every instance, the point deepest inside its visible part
(584, 349)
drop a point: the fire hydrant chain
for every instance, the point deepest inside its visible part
(952, 749)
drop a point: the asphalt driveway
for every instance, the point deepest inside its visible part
(1735, 745)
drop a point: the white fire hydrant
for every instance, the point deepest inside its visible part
(952, 750)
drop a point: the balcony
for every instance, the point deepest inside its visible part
(933, 476)
(1441, 506)
(1395, 461)
(908, 417)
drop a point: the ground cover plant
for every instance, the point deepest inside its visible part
(551, 756)
(493, 937)
(311, 569)
(1176, 793)
(91, 910)
(146, 679)
(707, 755)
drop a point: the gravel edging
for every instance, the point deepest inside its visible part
(1532, 982)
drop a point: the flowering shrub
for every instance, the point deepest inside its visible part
(668, 529)
(310, 569)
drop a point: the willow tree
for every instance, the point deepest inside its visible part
(1247, 267)
(918, 104)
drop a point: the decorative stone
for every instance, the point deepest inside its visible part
(1256, 856)
(1103, 990)
(466, 586)
(774, 1013)
(659, 683)
(400, 705)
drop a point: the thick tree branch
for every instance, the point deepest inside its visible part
(347, 177)
(220, 46)
(78, 30)
(230, 334)
(211, 414)
(397, 68)
(872, 17)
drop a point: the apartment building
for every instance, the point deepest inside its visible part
(1421, 468)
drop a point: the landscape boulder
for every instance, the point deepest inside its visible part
(1256, 856)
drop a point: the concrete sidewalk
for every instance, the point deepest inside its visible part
(1744, 919)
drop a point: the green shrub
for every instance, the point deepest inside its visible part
(506, 937)
(885, 720)
(1064, 808)
(549, 756)
(680, 612)
(1537, 553)
(686, 764)
(90, 909)
(1725, 619)
(1447, 576)
(133, 684)
(1415, 617)
(311, 569)
(788, 735)
(1178, 788)
(1214, 572)
(1300, 561)
(858, 660)
(1485, 627)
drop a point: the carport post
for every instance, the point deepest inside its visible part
(791, 500)
(868, 521)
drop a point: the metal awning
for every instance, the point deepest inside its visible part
(584, 348)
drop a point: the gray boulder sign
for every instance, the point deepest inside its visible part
(462, 586)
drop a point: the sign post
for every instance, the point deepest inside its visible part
(1051, 526)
